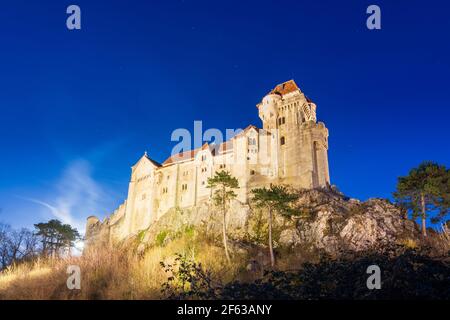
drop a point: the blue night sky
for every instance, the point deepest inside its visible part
(79, 108)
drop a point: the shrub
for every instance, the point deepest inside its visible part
(161, 237)
(187, 279)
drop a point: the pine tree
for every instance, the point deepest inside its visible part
(275, 199)
(425, 191)
(223, 184)
(56, 236)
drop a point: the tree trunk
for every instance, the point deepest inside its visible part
(224, 231)
(424, 217)
(272, 257)
(405, 214)
(44, 246)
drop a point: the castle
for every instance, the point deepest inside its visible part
(290, 148)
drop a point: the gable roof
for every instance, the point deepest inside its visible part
(285, 88)
(185, 155)
(146, 157)
(246, 130)
(155, 163)
(182, 156)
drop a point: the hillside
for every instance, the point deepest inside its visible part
(321, 253)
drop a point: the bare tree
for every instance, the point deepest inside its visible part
(17, 245)
(4, 245)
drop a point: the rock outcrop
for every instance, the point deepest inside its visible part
(204, 217)
(334, 223)
(326, 220)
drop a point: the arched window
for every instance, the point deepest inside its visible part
(282, 140)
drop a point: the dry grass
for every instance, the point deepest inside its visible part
(121, 273)
(409, 243)
(445, 236)
(112, 273)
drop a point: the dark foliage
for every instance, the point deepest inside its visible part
(405, 275)
(187, 280)
(409, 275)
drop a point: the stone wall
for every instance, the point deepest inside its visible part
(291, 149)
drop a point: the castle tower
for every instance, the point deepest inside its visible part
(291, 149)
(299, 144)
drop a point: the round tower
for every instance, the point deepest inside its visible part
(268, 111)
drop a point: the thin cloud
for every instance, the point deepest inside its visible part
(61, 215)
(75, 195)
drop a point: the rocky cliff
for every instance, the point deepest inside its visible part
(326, 220)
(333, 222)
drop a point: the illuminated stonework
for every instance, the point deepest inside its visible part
(290, 148)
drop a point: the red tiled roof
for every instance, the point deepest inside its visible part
(285, 88)
(185, 155)
(182, 156)
(190, 154)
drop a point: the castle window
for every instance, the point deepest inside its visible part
(184, 187)
(144, 196)
(282, 140)
(252, 172)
